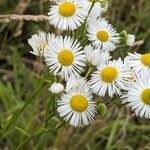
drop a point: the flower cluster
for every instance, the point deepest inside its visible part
(81, 61)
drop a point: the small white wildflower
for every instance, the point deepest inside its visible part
(40, 43)
(68, 14)
(102, 35)
(77, 106)
(65, 57)
(140, 64)
(138, 97)
(110, 78)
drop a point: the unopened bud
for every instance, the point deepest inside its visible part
(102, 109)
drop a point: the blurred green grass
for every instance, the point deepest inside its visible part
(22, 74)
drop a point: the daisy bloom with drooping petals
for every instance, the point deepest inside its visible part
(65, 57)
(139, 63)
(138, 97)
(110, 78)
(68, 14)
(77, 107)
(103, 35)
(95, 56)
(38, 42)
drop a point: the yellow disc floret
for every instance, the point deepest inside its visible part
(146, 59)
(79, 103)
(65, 57)
(146, 96)
(67, 9)
(108, 74)
(103, 36)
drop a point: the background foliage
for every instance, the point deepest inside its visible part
(22, 85)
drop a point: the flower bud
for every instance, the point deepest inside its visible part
(126, 38)
(102, 109)
(56, 88)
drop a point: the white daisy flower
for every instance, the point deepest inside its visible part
(39, 43)
(139, 63)
(103, 35)
(110, 78)
(138, 97)
(65, 57)
(68, 14)
(130, 39)
(77, 107)
(95, 56)
(56, 88)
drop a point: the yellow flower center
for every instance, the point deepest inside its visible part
(103, 36)
(79, 103)
(67, 9)
(146, 96)
(66, 57)
(146, 59)
(109, 74)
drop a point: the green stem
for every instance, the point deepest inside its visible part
(37, 132)
(47, 81)
(53, 104)
(22, 109)
(55, 78)
(88, 72)
(48, 104)
(14, 118)
(113, 131)
(56, 128)
(50, 116)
